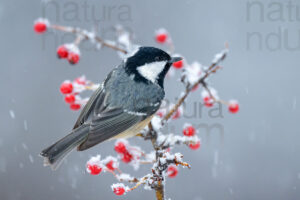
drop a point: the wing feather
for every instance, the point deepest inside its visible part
(88, 108)
(108, 125)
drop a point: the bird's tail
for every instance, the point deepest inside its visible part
(54, 155)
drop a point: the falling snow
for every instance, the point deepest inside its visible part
(12, 114)
(25, 125)
(31, 158)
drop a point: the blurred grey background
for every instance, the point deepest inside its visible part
(258, 156)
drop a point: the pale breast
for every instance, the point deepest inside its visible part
(134, 130)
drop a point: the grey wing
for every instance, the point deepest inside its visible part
(88, 108)
(109, 124)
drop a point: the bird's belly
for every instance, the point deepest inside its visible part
(134, 130)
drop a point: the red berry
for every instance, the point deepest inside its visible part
(208, 102)
(110, 165)
(161, 37)
(70, 98)
(62, 52)
(233, 107)
(75, 106)
(127, 157)
(93, 169)
(120, 147)
(66, 88)
(119, 190)
(189, 131)
(73, 58)
(178, 64)
(40, 27)
(194, 146)
(172, 171)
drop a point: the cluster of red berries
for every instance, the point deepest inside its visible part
(208, 101)
(66, 51)
(95, 166)
(233, 106)
(40, 25)
(121, 148)
(69, 52)
(190, 131)
(66, 88)
(70, 90)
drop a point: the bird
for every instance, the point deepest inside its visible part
(122, 105)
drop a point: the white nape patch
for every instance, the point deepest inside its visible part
(151, 71)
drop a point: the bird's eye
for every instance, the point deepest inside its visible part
(156, 58)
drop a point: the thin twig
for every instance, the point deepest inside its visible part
(86, 35)
(142, 181)
(215, 100)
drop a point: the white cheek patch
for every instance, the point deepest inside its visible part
(152, 70)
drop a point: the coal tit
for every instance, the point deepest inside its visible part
(121, 107)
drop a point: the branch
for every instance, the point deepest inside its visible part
(160, 193)
(86, 35)
(212, 69)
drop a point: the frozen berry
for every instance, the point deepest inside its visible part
(127, 157)
(66, 87)
(120, 190)
(120, 147)
(93, 169)
(73, 58)
(111, 165)
(40, 27)
(233, 107)
(194, 146)
(189, 131)
(178, 64)
(172, 171)
(75, 106)
(161, 37)
(62, 52)
(70, 98)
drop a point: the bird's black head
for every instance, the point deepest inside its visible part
(149, 64)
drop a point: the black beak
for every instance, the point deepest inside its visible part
(174, 59)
